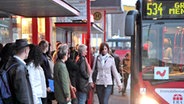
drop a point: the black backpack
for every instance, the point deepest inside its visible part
(5, 93)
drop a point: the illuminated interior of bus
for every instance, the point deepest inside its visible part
(162, 48)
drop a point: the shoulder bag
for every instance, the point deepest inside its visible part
(95, 72)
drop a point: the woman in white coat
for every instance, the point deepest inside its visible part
(36, 74)
(106, 67)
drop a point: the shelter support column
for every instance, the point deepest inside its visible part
(35, 31)
(104, 26)
(88, 38)
(66, 36)
(88, 30)
(84, 38)
(47, 29)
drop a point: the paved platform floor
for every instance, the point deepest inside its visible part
(116, 97)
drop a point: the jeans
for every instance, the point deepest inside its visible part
(82, 97)
(44, 101)
(103, 93)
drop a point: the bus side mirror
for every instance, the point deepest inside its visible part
(130, 22)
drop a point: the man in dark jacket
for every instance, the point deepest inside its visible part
(72, 69)
(116, 59)
(18, 75)
(82, 83)
(117, 62)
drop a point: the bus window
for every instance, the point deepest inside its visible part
(121, 45)
(162, 46)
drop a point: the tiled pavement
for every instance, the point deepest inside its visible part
(116, 97)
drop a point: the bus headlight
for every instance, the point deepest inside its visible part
(147, 100)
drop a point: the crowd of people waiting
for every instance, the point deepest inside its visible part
(36, 67)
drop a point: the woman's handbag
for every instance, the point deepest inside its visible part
(95, 72)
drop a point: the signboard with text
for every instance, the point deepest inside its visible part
(163, 9)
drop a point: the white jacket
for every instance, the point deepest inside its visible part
(106, 68)
(37, 80)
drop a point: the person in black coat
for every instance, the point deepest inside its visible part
(82, 75)
(73, 68)
(18, 75)
(44, 46)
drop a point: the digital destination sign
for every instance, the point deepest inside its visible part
(163, 9)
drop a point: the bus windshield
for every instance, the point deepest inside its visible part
(157, 38)
(162, 50)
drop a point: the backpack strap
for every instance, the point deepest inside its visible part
(7, 69)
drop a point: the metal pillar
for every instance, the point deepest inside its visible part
(104, 26)
(35, 30)
(47, 29)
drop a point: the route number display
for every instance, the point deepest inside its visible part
(163, 9)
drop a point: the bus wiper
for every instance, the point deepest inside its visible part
(146, 25)
(149, 32)
(160, 23)
(149, 28)
(154, 82)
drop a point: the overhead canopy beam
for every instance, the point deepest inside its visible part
(38, 8)
(110, 6)
(79, 27)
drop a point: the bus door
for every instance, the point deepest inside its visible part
(179, 47)
(182, 49)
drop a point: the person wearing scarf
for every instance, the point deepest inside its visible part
(106, 71)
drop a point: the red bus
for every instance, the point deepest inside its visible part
(122, 45)
(157, 38)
